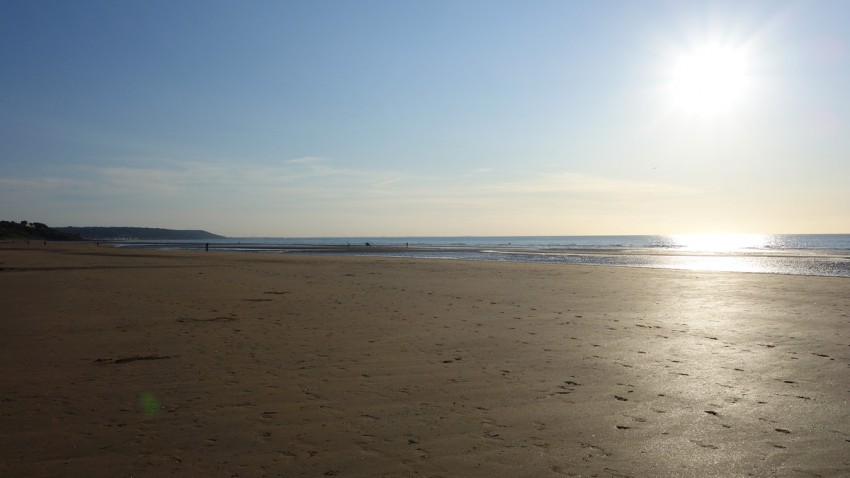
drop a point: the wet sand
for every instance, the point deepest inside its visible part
(149, 363)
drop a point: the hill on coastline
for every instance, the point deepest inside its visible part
(138, 233)
(34, 230)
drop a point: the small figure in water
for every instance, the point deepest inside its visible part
(207, 247)
(368, 245)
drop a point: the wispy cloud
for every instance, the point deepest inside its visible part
(306, 160)
(316, 177)
(311, 191)
(574, 183)
(46, 184)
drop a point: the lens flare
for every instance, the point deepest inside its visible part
(149, 403)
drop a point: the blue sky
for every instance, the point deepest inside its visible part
(338, 118)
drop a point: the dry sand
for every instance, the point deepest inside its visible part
(132, 363)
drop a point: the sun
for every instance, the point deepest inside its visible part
(709, 80)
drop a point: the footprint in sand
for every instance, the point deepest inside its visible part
(704, 445)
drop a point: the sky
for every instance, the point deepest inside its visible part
(427, 118)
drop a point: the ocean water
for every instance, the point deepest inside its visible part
(798, 254)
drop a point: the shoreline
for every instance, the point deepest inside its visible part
(828, 263)
(249, 245)
(118, 361)
(818, 263)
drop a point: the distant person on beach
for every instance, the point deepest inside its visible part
(207, 247)
(368, 245)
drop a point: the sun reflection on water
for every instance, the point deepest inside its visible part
(721, 242)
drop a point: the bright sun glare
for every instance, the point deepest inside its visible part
(710, 80)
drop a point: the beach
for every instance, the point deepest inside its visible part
(119, 362)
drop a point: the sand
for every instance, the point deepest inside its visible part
(122, 362)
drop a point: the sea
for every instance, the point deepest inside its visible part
(796, 254)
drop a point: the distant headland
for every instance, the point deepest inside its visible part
(38, 231)
(138, 233)
(34, 230)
